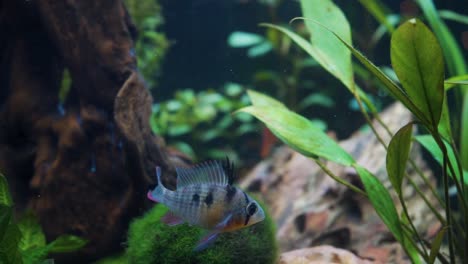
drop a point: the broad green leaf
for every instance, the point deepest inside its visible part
(66, 243)
(327, 50)
(418, 62)
(397, 156)
(259, 99)
(428, 142)
(379, 11)
(9, 245)
(32, 235)
(436, 245)
(240, 39)
(299, 133)
(5, 197)
(392, 88)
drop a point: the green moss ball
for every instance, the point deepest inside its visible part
(151, 241)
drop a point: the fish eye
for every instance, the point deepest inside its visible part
(251, 209)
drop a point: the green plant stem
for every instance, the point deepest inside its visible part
(338, 179)
(448, 213)
(414, 230)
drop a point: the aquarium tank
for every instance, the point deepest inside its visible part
(233, 131)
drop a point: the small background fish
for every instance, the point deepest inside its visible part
(205, 196)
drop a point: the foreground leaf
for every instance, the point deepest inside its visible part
(299, 133)
(259, 99)
(5, 197)
(31, 231)
(66, 243)
(397, 156)
(418, 62)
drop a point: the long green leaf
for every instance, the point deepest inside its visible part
(418, 62)
(299, 133)
(464, 133)
(454, 16)
(397, 156)
(327, 50)
(5, 197)
(383, 204)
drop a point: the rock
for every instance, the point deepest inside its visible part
(320, 255)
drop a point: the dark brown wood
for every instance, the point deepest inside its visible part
(83, 166)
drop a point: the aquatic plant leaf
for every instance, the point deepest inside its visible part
(31, 231)
(444, 127)
(397, 156)
(381, 201)
(418, 62)
(259, 50)
(259, 99)
(454, 16)
(436, 245)
(391, 87)
(241, 39)
(5, 197)
(5, 216)
(335, 58)
(383, 204)
(9, 245)
(428, 142)
(66, 243)
(299, 133)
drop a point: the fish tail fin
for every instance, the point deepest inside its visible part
(156, 194)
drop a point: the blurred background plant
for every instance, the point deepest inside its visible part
(151, 44)
(200, 124)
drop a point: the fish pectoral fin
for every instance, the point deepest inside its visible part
(224, 223)
(171, 219)
(206, 241)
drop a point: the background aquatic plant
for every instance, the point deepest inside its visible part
(201, 125)
(418, 63)
(23, 241)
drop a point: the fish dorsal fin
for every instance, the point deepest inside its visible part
(210, 172)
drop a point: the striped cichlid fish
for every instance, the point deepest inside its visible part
(205, 197)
